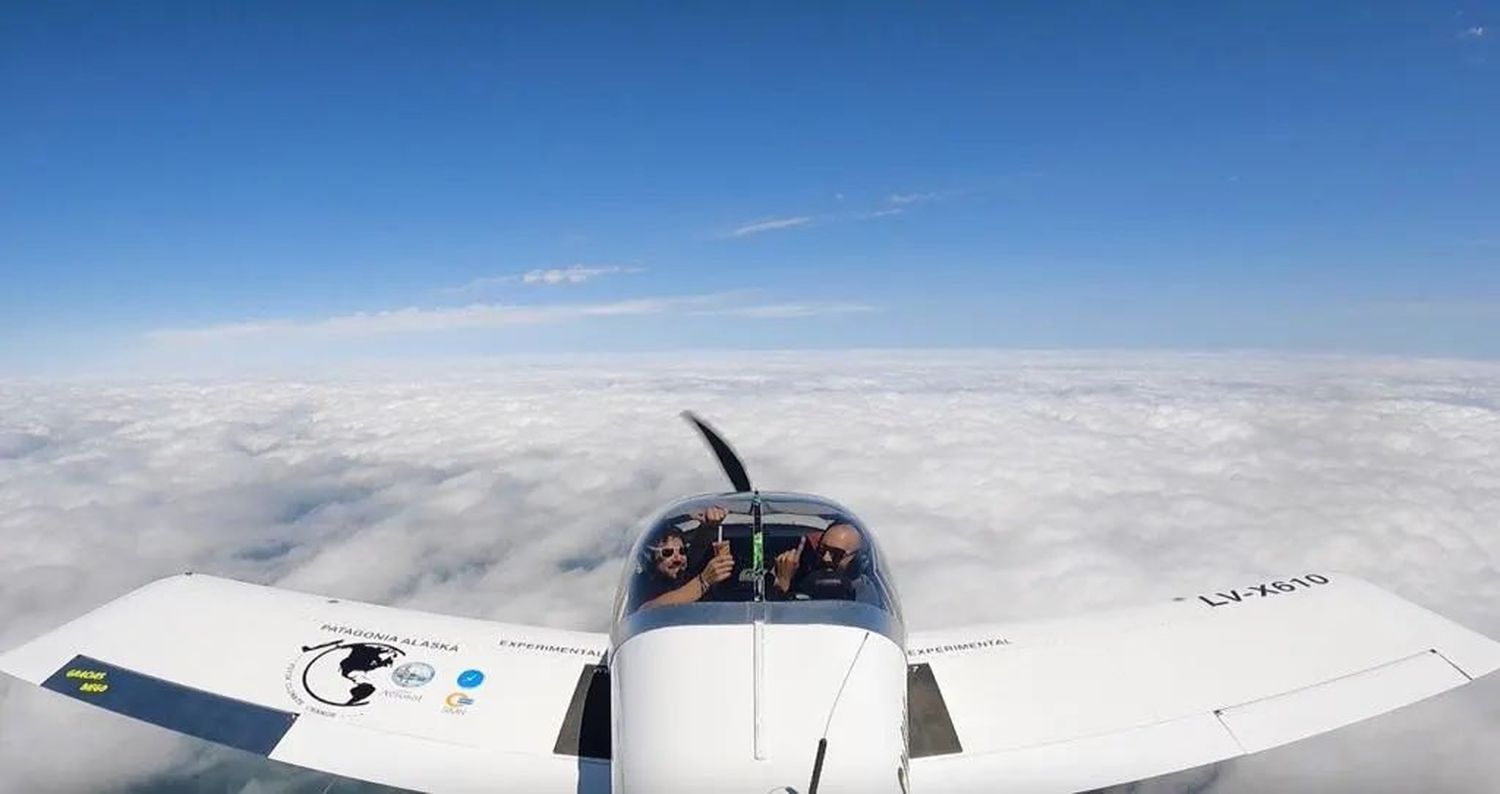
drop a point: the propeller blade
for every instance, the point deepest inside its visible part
(730, 462)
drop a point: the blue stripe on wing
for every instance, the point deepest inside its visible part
(227, 721)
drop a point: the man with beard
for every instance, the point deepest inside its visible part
(667, 582)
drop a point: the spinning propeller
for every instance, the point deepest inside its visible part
(728, 460)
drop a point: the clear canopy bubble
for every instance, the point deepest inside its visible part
(825, 554)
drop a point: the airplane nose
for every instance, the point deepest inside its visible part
(752, 704)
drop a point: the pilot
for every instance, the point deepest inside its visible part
(667, 581)
(837, 570)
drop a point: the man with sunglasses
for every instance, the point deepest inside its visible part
(835, 556)
(667, 580)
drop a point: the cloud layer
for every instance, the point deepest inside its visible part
(1030, 485)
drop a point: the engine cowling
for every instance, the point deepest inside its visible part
(742, 707)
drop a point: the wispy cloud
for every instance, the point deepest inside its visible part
(771, 225)
(901, 199)
(418, 320)
(576, 274)
(778, 311)
(893, 204)
(1475, 32)
(551, 276)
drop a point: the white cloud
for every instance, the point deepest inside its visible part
(426, 320)
(773, 311)
(1475, 32)
(414, 320)
(895, 204)
(1030, 485)
(771, 225)
(575, 274)
(552, 276)
(912, 198)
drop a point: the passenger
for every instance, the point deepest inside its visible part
(837, 570)
(667, 580)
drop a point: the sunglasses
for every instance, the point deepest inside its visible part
(668, 552)
(834, 554)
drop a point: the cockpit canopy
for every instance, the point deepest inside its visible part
(825, 554)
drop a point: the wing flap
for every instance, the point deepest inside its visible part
(1082, 764)
(423, 764)
(1286, 718)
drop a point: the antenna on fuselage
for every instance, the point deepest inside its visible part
(730, 462)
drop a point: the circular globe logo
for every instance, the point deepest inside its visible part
(413, 674)
(346, 674)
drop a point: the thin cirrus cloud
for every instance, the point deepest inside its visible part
(549, 276)
(577, 274)
(902, 199)
(893, 204)
(418, 320)
(782, 311)
(771, 225)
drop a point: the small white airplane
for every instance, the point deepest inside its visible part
(757, 646)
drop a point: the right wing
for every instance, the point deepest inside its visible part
(1087, 702)
(408, 699)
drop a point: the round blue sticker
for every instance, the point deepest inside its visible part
(469, 679)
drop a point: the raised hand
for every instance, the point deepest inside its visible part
(713, 515)
(786, 565)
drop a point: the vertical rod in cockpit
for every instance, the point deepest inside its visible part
(758, 632)
(757, 546)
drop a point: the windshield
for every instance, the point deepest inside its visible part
(767, 547)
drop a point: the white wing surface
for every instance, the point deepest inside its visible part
(1077, 704)
(404, 698)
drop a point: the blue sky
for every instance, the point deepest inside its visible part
(189, 181)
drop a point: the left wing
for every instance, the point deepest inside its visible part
(1082, 703)
(408, 699)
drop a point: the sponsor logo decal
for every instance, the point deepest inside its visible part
(341, 677)
(457, 703)
(470, 679)
(91, 682)
(413, 674)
